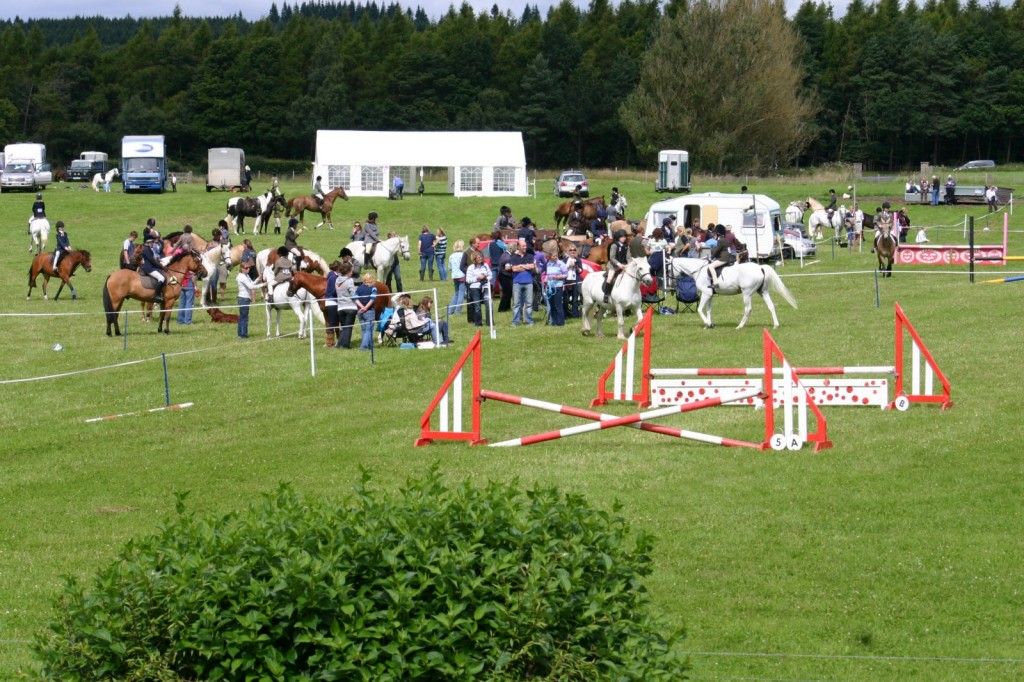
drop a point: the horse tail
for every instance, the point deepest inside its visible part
(775, 283)
(31, 279)
(108, 304)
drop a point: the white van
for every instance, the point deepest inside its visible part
(755, 219)
(25, 167)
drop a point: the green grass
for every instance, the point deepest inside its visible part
(903, 541)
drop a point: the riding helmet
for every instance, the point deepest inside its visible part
(886, 204)
(720, 230)
(60, 225)
(292, 222)
(619, 234)
(282, 251)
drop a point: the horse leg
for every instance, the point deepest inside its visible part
(46, 280)
(620, 316)
(703, 309)
(747, 306)
(770, 304)
(61, 288)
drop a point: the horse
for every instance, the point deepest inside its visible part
(38, 233)
(820, 218)
(217, 258)
(385, 253)
(311, 262)
(795, 211)
(43, 264)
(744, 278)
(259, 208)
(124, 284)
(590, 207)
(279, 298)
(885, 248)
(297, 206)
(625, 295)
(105, 178)
(317, 286)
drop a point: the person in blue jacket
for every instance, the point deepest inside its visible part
(63, 244)
(152, 252)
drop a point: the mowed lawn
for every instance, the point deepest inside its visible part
(897, 554)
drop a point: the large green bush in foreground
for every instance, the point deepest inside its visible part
(432, 583)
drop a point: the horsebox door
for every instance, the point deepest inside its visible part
(709, 214)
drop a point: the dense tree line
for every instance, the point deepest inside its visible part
(890, 86)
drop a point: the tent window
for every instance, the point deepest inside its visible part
(339, 176)
(471, 179)
(504, 179)
(373, 178)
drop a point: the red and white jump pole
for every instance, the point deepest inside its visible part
(653, 428)
(609, 423)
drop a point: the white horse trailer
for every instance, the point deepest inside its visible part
(673, 171)
(226, 169)
(755, 219)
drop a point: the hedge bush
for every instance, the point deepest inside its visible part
(434, 583)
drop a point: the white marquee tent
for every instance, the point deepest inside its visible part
(365, 162)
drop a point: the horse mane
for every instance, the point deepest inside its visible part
(173, 236)
(85, 254)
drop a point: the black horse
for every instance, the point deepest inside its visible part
(259, 207)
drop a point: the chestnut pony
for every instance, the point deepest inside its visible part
(297, 206)
(42, 264)
(124, 284)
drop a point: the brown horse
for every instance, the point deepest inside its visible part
(124, 284)
(297, 206)
(317, 286)
(42, 264)
(885, 249)
(590, 207)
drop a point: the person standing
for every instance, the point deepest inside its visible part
(366, 296)
(395, 269)
(573, 278)
(248, 178)
(441, 253)
(527, 233)
(505, 277)
(522, 286)
(494, 252)
(950, 190)
(556, 275)
(187, 298)
(174, 184)
(331, 305)
(638, 247)
(458, 277)
(478, 279)
(398, 185)
(128, 251)
(347, 309)
(426, 247)
(935, 190)
(245, 288)
(991, 199)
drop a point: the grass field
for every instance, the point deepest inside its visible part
(895, 555)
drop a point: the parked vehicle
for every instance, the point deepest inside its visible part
(981, 163)
(755, 219)
(795, 243)
(87, 165)
(25, 167)
(673, 171)
(143, 163)
(226, 169)
(568, 181)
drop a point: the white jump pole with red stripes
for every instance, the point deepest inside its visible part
(607, 423)
(644, 426)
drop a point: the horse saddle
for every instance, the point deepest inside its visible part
(149, 282)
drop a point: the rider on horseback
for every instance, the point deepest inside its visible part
(883, 223)
(618, 257)
(152, 251)
(371, 237)
(831, 208)
(618, 204)
(727, 251)
(318, 192)
(38, 208)
(282, 266)
(63, 244)
(291, 244)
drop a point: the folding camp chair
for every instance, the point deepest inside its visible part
(686, 292)
(651, 294)
(396, 332)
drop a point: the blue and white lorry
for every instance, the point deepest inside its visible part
(143, 163)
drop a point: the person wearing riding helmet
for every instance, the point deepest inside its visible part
(152, 251)
(63, 244)
(318, 191)
(38, 208)
(291, 244)
(283, 266)
(148, 230)
(371, 237)
(726, 252)
(883, 223)
(618, 257)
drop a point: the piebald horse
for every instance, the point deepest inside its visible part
(742, 278)
(625, 295)
(42, 264)
(105, 179)
(385, 253)
(297, 206)
(124, 284)
(259, 208)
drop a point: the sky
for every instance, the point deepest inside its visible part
(250, 9)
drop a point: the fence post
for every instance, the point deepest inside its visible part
(167, 383)
(970, 249)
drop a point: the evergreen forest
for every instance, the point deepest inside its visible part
(885, 85)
